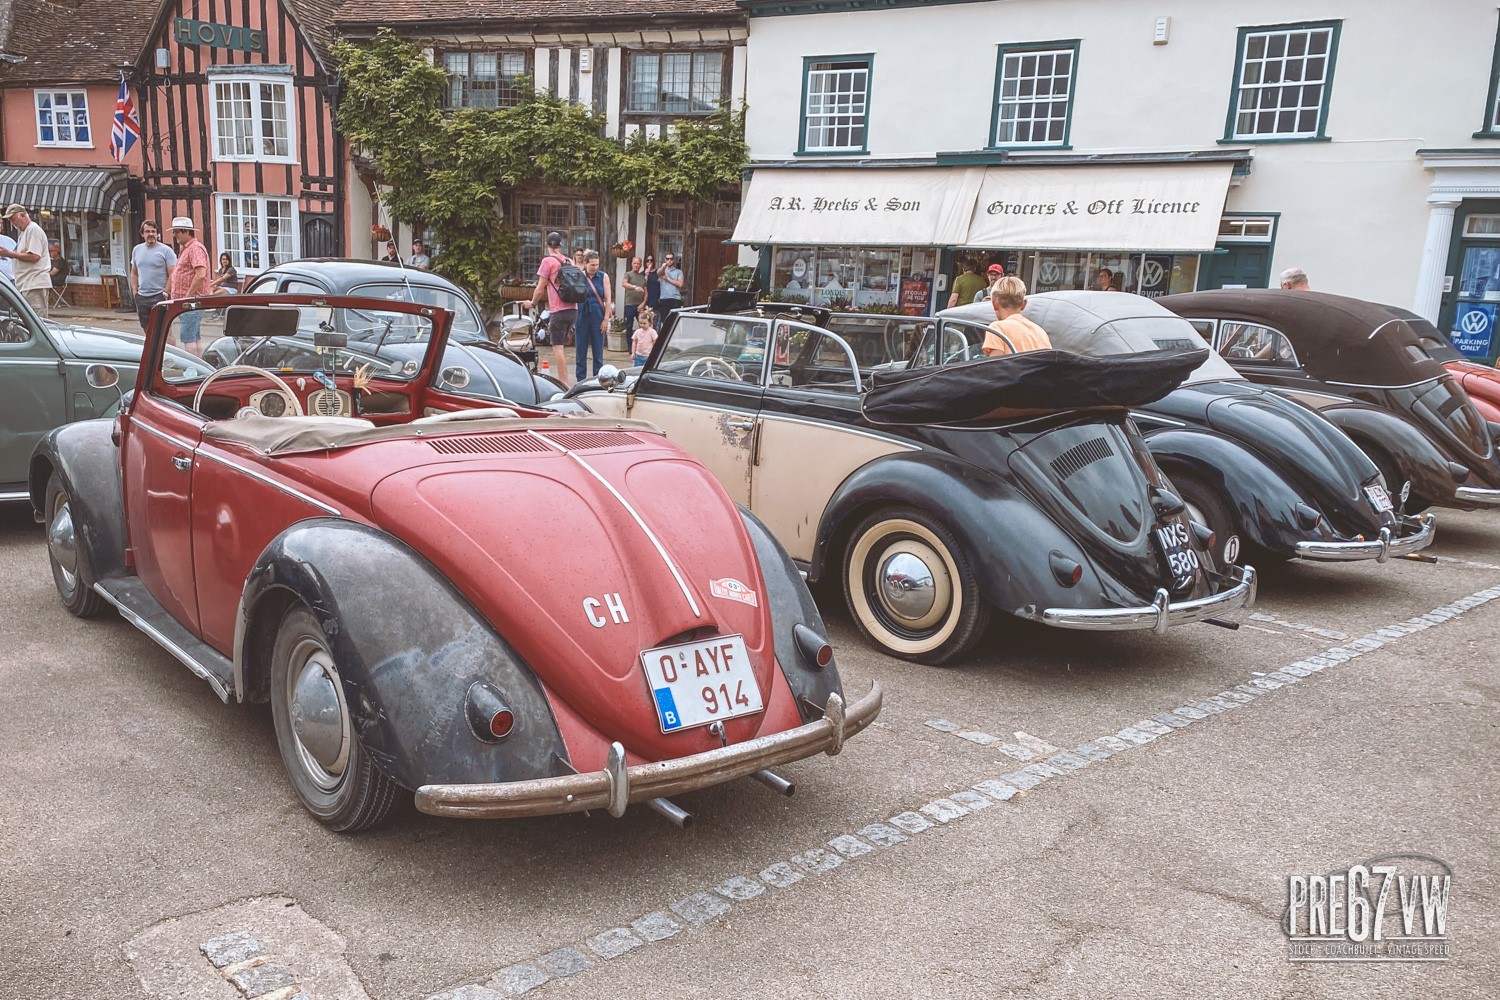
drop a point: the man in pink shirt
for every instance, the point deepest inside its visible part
(560, 315)
(189, 279)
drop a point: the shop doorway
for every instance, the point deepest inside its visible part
(318, 236)
(1471, 305)
(1246, 266)
(710, 256)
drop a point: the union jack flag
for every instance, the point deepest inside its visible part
(126, 130)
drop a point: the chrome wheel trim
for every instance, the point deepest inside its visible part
(912, 584)
(891, 632)
(1194, 514)
(62, 543)
(317, 714)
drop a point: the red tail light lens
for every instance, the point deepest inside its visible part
(502, 723)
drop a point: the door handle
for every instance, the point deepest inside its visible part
(182, 462)
(740, 425)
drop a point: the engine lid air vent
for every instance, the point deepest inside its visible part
(1080, 457)
(488, 444)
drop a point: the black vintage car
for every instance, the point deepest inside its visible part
(1251, 465)
(931, 515)
(1366, 369)
(494, 371)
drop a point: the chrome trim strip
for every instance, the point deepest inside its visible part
(1478, 494)
(643, 782)
(1159, 615)
(1363, 385)
(283, 487)
(135, 425)
(660, 549)
(182, 655)
(23, 495)
(831, 425)
(473, 356)
(1380, 550)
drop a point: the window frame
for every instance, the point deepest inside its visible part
(543, 227)
(1334, 27)
(1221, 335)
(1491, 127)
(501, 100)
(255, 81)
(237, 255)
(1059, 45)
(807, 69)
(88, 118)
(631, 55)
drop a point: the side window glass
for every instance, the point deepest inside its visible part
(715, 347)
(264, 285)
(1256, 344)
(1204, 327)
(310, 315)
(813, 358)
(13, 326)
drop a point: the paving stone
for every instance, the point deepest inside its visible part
(817, 861)
(657, 926)
(944, 810)
(470, 992)
(943, 725)
(1172, 720)
(850, 846)
(570, 961)
(1132, 735)
(1338, 654)
(1298, 670)
(264, 978)
(699, 908)
(1018, 752)
(1209, 708)
(1283, 677)
(1261, 616)
(1249, 690)
(1221, 702)
(1266, 683)
(1092, 751)
(1000, 791)
(229, 949)
(1237, 697)
(881, 835)
(739, 888)
(513, 980)
(1022, 779)
(1042, 770)
(1327, 633)
(1065, 762)
(1190, 713)
(911, 822)
(618, 940)
(1417, 624)
(974, 736)
(971, 801)
(1113, 743)
(1152, 726)
(781, 875)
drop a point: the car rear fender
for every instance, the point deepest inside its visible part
(1007, 536)
(85, 458)
(1263, 502)
(1408, 448)
(408, 648)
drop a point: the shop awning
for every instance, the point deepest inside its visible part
(1171, 207)
(64, 189)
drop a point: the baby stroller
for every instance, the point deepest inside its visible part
(516, 332)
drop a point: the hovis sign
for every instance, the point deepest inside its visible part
(217, 36)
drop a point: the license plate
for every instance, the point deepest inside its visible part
(696, 683)
(1378, 497)
(1182, 561)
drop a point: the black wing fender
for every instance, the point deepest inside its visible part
(409, 647)
(85, 458)
(1007, 537)
(1416, 458)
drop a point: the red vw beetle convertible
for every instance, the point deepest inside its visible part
(503, 611)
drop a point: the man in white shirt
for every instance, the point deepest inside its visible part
(32, 267)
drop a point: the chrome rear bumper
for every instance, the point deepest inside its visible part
(1380, 549)
(1160, 614)
(1479, 495)
(613, 788)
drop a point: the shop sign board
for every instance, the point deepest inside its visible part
(217, 36)
(872, 206)
(1473, 329)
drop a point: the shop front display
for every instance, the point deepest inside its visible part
(854, 279)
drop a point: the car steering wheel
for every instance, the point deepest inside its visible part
(711, 365)
(286, 390)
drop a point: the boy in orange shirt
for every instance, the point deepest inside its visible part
(1012, 332)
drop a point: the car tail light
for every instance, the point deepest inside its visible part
(813, 647)
(1307, 516)
(489, 717)
(1067, 571)
(1204, 534)
(1458, 472)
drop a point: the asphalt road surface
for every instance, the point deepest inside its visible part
(142, 820)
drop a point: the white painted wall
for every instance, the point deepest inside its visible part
(1353, 209)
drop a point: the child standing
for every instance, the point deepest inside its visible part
(645, 336)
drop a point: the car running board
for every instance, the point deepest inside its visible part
(136, 605)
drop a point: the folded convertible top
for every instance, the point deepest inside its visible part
(1017, 385)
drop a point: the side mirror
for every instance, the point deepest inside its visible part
(609, 377)
(102, 376)
(457, 376)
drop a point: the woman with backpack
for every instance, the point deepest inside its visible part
(593, 316)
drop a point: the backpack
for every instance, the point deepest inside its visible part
(572, 286)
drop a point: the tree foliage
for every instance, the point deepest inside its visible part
(449, 168)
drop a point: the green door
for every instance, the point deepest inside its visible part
(1471, 306)
(33, 396)
(1247, 265)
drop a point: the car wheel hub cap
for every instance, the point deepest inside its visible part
(319, 720)
(908, 584)
(61, 543)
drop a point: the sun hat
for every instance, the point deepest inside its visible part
(183, 222)
(13, 209)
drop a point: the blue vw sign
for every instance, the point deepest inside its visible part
(1473, 329)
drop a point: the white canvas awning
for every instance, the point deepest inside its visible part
(1173, 207)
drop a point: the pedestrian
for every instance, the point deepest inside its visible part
(1102, 278)
(560, 315)
(1013, 333)
(31, 267)
(391, 257)
(1294, 279)
(419, 258)
(151, 265)
(593, 315)
(633, 287)
(671, 289)
(189, 280)
(60, 268)
(653, 286)
(645, 336)
(992, 276)
(967, 284)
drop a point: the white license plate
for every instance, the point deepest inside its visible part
(1378, 497)
(696, 683)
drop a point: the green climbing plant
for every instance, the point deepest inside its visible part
(448, 169)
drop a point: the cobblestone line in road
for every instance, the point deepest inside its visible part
(243, 961)
(708, 904)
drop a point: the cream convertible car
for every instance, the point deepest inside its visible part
(949, 490)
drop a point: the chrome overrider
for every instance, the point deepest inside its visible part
(1160, 614)
(618, 785)
(1423, 531)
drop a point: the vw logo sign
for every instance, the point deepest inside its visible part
(1152, 273)
(1050, 272)
(1474, 322)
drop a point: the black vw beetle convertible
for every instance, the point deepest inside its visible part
(1251, 465)
(945, 492)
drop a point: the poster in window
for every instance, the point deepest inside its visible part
(1156, 275)
(916, 296)
(1473, 329)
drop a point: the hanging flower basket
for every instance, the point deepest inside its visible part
(621, 250)
(379, 232)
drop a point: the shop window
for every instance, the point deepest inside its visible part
(484, 79)
(62, 118)
(1034, 94)
(1282, 80)
(889, 281)
(252, 119)
(257, 233)
(836, 104)
(675, 83)
(577, 221)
